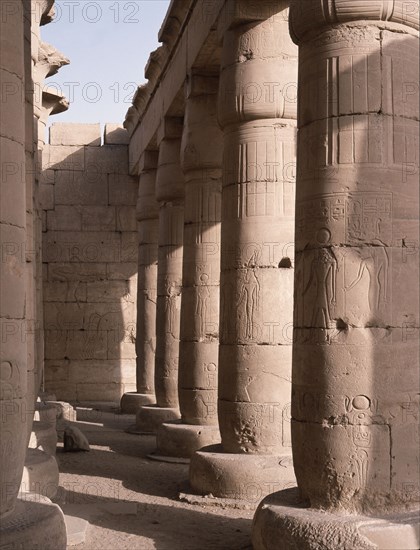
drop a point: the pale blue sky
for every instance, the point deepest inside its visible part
(108, 43)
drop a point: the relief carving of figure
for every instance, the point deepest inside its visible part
(203, 296)
(374, 262)
(172, 293)
(249, 295)
(323, 275)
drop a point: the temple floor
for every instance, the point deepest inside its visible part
(132, 502)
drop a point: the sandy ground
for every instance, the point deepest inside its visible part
(131, 502)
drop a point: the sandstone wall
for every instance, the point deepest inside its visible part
(90, 263)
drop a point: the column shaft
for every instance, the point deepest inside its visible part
(147, 213)
(355, 368)
(170, 195)
(257, 111)
(13, 358)
(257, 108)
(148, 228)
(201, 161)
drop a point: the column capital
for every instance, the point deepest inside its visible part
(198, 85)
(169, 176)
(307, 16)
(202, 138)
(43, 11)
(49, 61)
(53, 103)
(238, 12)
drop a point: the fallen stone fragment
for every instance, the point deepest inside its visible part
(75, 440)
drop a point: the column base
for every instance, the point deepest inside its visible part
(245, 477)
(40, 474)
(149, 418)
(132, 401)
(281, 522)
(35, 523)
(76, 529)
(64, 410)
(43, 437)
(175, 439)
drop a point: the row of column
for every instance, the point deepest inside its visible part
(224, 189)
(355, 357)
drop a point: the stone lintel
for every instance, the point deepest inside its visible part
(175, 16)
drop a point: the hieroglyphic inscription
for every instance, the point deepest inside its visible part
(352, 218)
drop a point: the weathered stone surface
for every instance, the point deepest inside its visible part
(64, 133)
(116, 134)
(249, 479)
(80, 188)
(179, 440)
(40, 474)
(59, 157)
(35, 523)
(282, 521)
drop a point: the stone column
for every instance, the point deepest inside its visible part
(257, 111)
(31, 520)
(41, 470)
(148, 230)
(170, 196)
(46, 61)
(355, 405)
(201, 157)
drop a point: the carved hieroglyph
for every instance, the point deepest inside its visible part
(355, 404)
(170, 195)
(201, 157)
(257, 111)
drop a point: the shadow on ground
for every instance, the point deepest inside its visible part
(132, 503)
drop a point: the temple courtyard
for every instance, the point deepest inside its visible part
(134, 503)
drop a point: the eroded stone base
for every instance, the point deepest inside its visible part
(45, 412)
(281, 522)
(175, 439)
(40, 474)
(76, 529)
(35, 524)
(149, 418)
(131, 402)
(243, 477)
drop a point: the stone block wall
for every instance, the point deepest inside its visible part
(89, 263)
